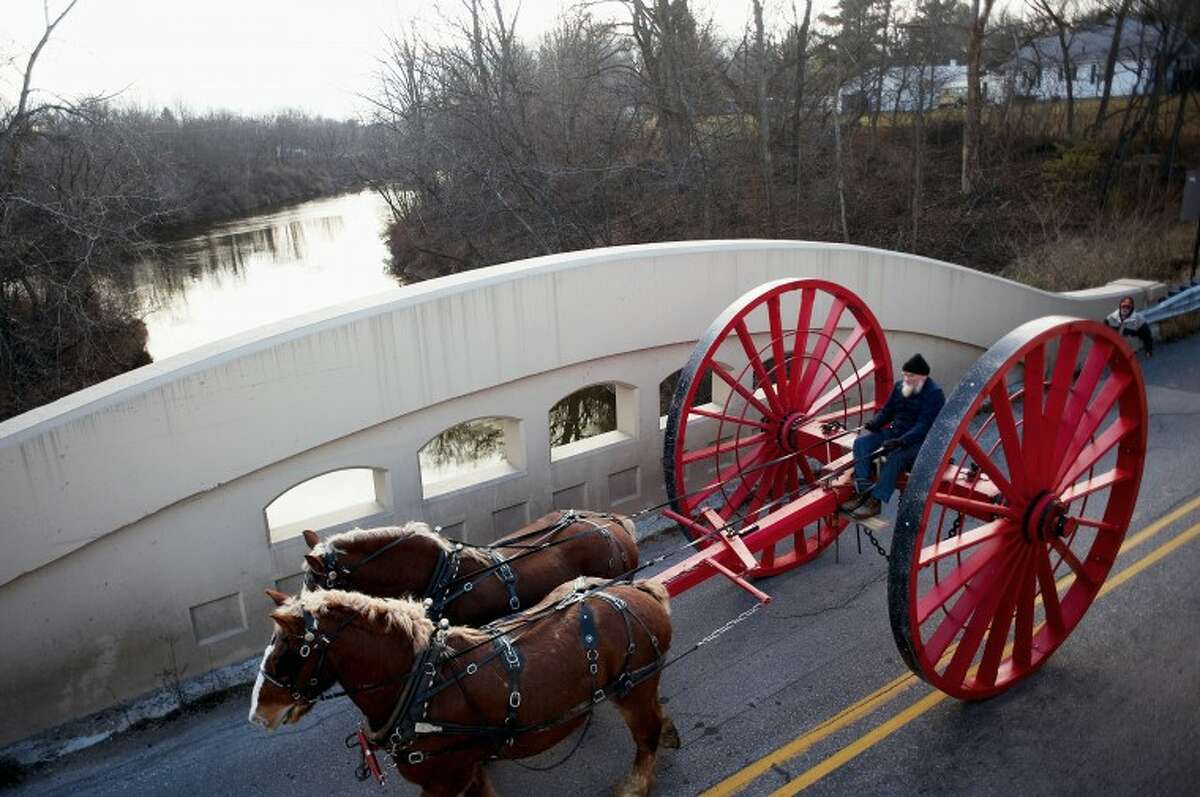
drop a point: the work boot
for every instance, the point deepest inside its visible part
(869, 509)
(854, 502)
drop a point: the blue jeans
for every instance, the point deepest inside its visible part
(898, 462)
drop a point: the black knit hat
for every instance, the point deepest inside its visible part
(916, 365)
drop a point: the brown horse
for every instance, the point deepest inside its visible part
(473, 584)
(442, 700)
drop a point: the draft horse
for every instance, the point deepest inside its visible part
(472, 584)
(442, 699)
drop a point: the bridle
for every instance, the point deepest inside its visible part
(332, 572)
(312, 640)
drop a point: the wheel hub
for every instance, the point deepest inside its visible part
(1045, 519)
(788, 431)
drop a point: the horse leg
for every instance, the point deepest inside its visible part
(480, 785)
(642, 713)
(669, 738)
(455, 781)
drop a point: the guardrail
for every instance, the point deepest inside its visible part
(1177, 303)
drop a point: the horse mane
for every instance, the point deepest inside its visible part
(386, 615)
(346, 539)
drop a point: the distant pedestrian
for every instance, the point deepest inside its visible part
(899, 429)
(1130, 322)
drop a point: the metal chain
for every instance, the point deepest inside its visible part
(874, 542)
(722, 629)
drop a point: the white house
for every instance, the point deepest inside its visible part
(937, 86)
(1039, 70)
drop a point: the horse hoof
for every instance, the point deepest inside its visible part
(669, 738)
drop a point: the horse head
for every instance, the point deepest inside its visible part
(368, 644)
(390, 562)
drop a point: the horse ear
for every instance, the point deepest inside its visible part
(311, 538)
(314, 563)
(278, 597)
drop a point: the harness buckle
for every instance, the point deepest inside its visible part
(330, 579)
(416, 757)
(514, 603)
(506, 572)
(599, 696)
(304, 651)
(514, 700)
(470, 585)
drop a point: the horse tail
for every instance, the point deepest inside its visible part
(656, 590)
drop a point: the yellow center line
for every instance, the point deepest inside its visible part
(893, 689)
(878, 734)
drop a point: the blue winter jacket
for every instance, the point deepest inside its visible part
(910, 417)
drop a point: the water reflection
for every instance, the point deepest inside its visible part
(261, 269)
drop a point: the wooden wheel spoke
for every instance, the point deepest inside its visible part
(800, 343)
(1073, 562)
(741, 390)
(997, 638)
(818, 352)
(777, 351)
(1094, 484)
(853, 339)
(721, 447)
(976, 509)
(1081, 394)
(991, 588)
(1023, 633)
(1091, 420)
(840, 389)
(1095, 450)
(952, 583)
(1096, 523)
(961, 542)
(988, 466)
(720, 416)
(842, 414)
(723, 477)
(1032, 441)
(1060, 385)
(760, 370)
(1049, 590)
(1010, 440)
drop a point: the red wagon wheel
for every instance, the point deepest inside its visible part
(783, 359)
(1017, 505)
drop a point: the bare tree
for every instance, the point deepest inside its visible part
(1120, 11)
(764, 116)
(980, 11)
(1058, 14)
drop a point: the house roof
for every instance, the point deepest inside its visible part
(1138, 42)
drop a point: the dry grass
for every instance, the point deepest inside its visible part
(1131, 247)
(1180, 326)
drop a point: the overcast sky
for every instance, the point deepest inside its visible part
(251, 56)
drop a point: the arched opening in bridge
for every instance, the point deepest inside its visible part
(337, 498)
(593, 416)
(469, 453)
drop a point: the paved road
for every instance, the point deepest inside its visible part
(1117, 710)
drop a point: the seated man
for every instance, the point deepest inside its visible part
(1130, 322)
(899, 428)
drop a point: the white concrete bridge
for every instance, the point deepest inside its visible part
(134, 515)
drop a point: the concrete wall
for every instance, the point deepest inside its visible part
(135, 544)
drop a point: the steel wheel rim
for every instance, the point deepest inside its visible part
(821, 370)
(975, 612)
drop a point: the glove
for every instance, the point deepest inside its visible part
(872, 425)
(892, 444)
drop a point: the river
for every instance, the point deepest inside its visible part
(260, 269)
